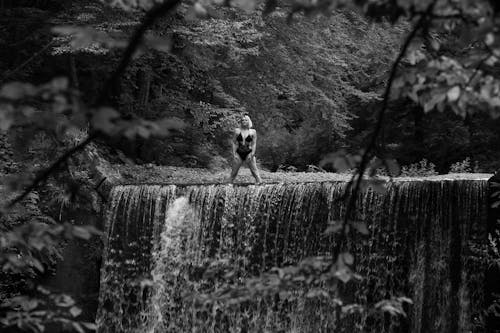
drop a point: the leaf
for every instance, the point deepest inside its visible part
(37, 264)
(348, 258)
(165, 126)
(333, 227)
(89, 326)
(6, 117)
(344, 274)
(81, 232)
(453, 94)
(159, 43)
(394, 311)
(78, 327)
(415, 57)
(435, 45)
(489, 39)
(246, 5)
(433, 101)
(403, 299)
(29, 305)
(64, 301)
(17, 90)
(316, 293)
(199, 10)
(75, 311)
(352, 308)
(59, 84)
(360, 227)
(103, 120)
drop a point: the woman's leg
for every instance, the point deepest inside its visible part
(252, 164)
(237, 162)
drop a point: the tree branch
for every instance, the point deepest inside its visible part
(42, 176)
(357, 178)
(148, 21)
(136, 39)
(8, 74)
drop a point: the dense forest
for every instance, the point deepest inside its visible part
(311, 86)
(97, 93)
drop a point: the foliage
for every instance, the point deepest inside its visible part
(461, 167)
(428, 71)
(29, 246)
(52, 112)
(420, 169)
(38, 313)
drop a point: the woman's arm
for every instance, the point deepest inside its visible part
(254, 142)
(233, 141)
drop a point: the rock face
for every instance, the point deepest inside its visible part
(423, 243)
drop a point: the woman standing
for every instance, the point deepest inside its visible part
(244, 142)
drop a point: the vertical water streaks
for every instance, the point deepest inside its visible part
(422, 235)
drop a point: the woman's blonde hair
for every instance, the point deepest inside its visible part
(250, 124)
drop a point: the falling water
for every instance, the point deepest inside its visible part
(423, 243)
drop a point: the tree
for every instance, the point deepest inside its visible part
(433, 77)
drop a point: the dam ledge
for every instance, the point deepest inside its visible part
(334, 178)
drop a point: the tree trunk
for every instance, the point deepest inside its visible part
(144, 78)
(73, 74)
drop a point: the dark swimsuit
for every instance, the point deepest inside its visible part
(244, 147)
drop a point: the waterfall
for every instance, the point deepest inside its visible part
(424, 242)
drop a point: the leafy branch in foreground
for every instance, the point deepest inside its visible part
(104, 121)
(51, 108)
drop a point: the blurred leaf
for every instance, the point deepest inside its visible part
(393, 307)
(344, 274)
(360, 227)
(85, 37)
(403, 299)
(166, 125)
(37, 264)
(415, 57)
(103, 120)
(348, 258)
(317, 293)
(352, 308)
(77, 327)
(489, 39)
(159, 43)
(453, 94)
(435, 45)
(80, 232)
(75, 311)
(17, 90)
(6, 117)
(246, 5)
(199, 10)
(29, 304)
(59, 84)
(89, 326)
(84, 232)
(333, 227)
(64, 301)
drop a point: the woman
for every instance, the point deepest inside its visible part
(244, 142)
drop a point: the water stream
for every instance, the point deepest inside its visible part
(423, 243)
